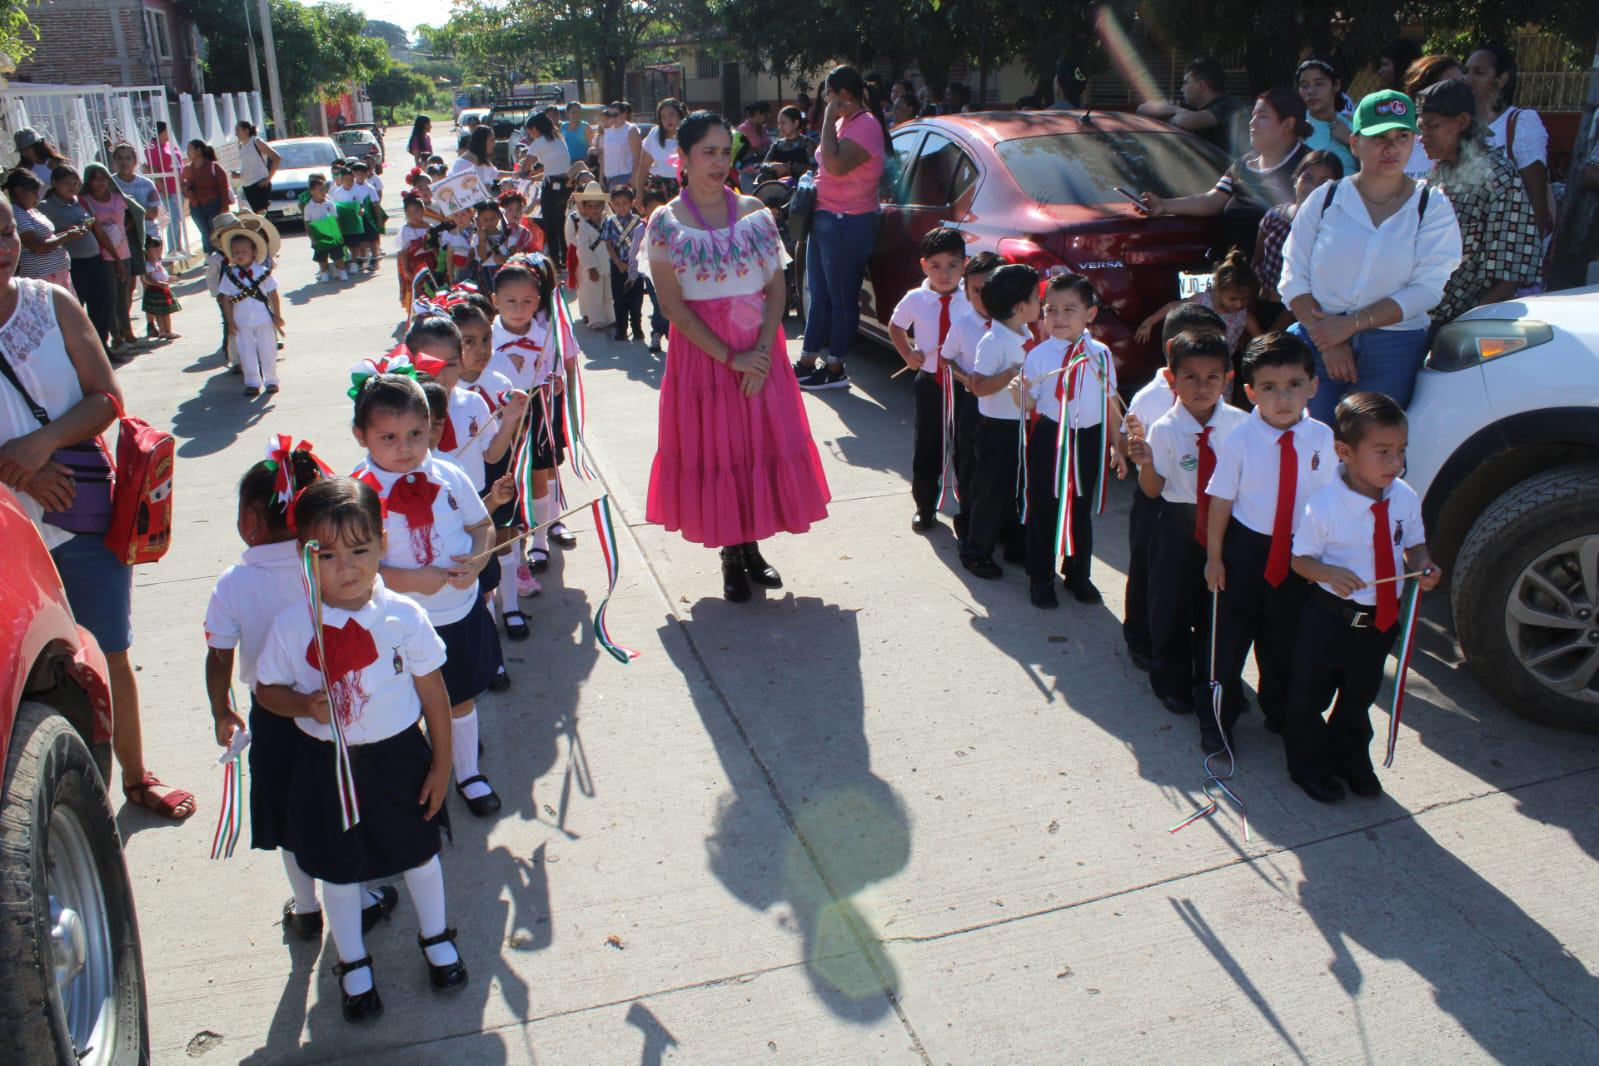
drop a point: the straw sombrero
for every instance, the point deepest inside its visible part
(591, 194)
(262, 225)
(223, 241)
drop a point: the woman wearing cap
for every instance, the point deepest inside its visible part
(1327, 110)
(205, 185)
(37, 154)
(1256, 181)
(1500, 247)
(258, 162)
(1365, 261)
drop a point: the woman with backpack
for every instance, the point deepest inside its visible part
(57, 395)
(1366, 259)
(1517, 131)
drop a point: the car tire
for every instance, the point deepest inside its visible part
(55, 820)
(1521, 546)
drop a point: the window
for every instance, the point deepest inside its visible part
(160, 38)
(902, 150)
(706, 65)
(942, 174)
(1085, 168)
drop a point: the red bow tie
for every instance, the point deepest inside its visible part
(350, 650)
(412, 499)
(521, 342)
(447, 442)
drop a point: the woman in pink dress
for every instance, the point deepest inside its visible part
(735, 461)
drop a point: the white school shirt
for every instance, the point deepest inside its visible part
(248, 596)
(553, 154)
(492, 386)
(1087, 408)
(526, 367)
(1000, 349)
(918, 314)
(1174, 445)
(407, 235)
(392, 641)
(316, 211)
(355, 194)
(965, 331)
(1247, 468)
(249, 311)
(1339, 258)
(1152, 401)
(469, 413)
(1532, 139)
(659, 154)
(1337, 528)
(374, 182)
(455, 507)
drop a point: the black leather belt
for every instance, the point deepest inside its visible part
(1357, 615)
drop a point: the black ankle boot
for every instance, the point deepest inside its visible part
(735, 582)
(758, 569)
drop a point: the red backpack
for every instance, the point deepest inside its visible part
(141, 501)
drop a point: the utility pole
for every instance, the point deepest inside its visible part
(249, 42)
(271, 50)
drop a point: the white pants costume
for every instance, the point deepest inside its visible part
(258, 354)
(593, 297)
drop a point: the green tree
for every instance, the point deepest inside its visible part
(17, 33)
(398, 86)
(392, 34)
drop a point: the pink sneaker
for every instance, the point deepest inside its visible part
(526, 583)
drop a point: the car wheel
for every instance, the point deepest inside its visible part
(1525, 593)
(69, 941)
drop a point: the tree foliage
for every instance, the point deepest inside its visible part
(396, 87)
(391, 33)
(17, 33)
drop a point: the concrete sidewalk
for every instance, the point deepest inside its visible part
(891, 814)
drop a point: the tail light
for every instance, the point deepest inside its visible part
(1021, 250)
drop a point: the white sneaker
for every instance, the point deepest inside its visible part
(322, 275)
(344, 275)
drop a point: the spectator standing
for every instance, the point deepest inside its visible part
(1394, 63)
(791, 154)
(205, 185)
(548, 150)
(420, 145)
(163, 160)
(620, 145)
(36, 153)
(465, 132)
(1366, 259)
(102, 197)
(93, 276)
(1428, 70)
(1518, 131)
(1500, 251)
(141, 191)
(843, 226)
(576, 133)
(258, 161)
(44, 253)
(1327, 110)
(1070, 84)
(902, 111)
(656, 167)
(1206, 109)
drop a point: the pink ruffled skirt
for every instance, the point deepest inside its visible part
(731, 468)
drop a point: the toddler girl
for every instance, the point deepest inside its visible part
(521, 235)
(1233, 288)
(159, 304)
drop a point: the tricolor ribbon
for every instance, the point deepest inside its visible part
(1068, 463)
(230, 815)
(567, 353)
(1407, 643)
(948, 488)
(608, 549)
(349, 807)
(1215, 784)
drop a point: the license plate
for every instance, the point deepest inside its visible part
(290, 208)
(1191, 284)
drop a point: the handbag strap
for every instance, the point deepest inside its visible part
(11, 375)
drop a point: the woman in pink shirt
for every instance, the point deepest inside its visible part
(844, 226)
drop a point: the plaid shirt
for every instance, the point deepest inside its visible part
(1273, 235)
(1499, 238)
(624, 243)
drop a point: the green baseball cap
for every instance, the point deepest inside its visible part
(1382, 111)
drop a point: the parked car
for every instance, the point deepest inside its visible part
(302, 157)
(1504, 450)
(69, 939)
(479, 113)
(1038, 187)
(361, 144)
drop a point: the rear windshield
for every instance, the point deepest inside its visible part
(1085, 168)
(305, 155)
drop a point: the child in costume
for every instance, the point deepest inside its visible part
(321, 215)
(585, 237)
(159, 304)
(411, 247)
(251, 303)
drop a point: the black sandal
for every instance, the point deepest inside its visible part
(452, 975)
(516, 625)
(561, 536)
(538, 560)
(482, 806)
(364, 1006)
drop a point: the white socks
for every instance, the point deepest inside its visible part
(463, 753)
(304, 884)
(425, 883)
(507, 591)
(543, 511)
(343, 906)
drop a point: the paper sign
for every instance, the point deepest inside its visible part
(459, 193)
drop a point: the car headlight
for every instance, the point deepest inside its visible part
(1460, 345)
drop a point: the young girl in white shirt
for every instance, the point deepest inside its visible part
(411, 247)
(377, 667)
(159, 304)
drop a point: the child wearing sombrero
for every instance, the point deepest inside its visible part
(250, 302)
(585, 236)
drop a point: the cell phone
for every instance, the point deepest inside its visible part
(1131, 198)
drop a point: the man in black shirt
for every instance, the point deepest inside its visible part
(1206, 109)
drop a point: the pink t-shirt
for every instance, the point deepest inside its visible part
(854, 193)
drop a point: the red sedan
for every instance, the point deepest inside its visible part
(1039, 187)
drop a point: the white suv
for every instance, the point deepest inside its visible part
(1504, 450)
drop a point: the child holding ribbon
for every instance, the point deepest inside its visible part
(368, 656)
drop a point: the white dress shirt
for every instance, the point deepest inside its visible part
(1337, 528)
(918, 314)
(1248, 468)
(1174, 446)
(1346, 263)
(252, 592)
(468, 414)
(965, 331)
(1152, 401)
(1000, 349)
(1095, 378)
(527, 360)
(552, 153)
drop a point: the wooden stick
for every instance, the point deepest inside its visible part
(1403, 577)
(900, 371)
(496, 548)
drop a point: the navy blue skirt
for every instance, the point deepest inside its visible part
(488, 578)
(274, 742)
(472, 647)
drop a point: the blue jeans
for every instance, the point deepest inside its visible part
(835, 267)
(99, 589)
(174, 221)
(202, 215)
(1386, 360)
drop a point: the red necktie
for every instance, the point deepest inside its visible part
(447, 441)
(1207, 467)
(1382, 550)
(1282, 523)
(943, 331)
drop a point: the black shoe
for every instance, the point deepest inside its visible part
(923, 522)
(1141, 659)
(655, 344)
(516, 625)
(251, 391)
(619, 335)
(483, 806)
(1042, 593)
(562, 537)
(304, 926)
(1178, 704)
(538, 560)
(366, 1005)
(379, 909)
(1210, 739)
(501, 682)
(735, 579)
(1084, 591)
(1014, 554)
(961, 525)
(987, 569)
(825, 377)
(452, 975)
(1362, 783)
(638, 332)
(758, 570)
(1323, 788)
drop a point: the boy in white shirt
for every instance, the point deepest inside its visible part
(365, 244)
(318, 207)
(1355, 539)
(249, 295)
(918, 329)
(960, 354)
(1175, 462)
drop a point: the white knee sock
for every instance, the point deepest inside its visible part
(425, 883)
(304, 884)
(508, 600)
(343, 905)
(463, 752)
(543, 511)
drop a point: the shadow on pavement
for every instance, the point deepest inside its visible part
(218, 414)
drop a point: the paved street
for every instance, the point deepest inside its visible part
(892, 814)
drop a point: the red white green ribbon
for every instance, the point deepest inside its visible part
(349, 807)
(948, 487)
(1215, 784)
(567, 355)
(1068, 463)
(608, 549)
(1402, 650)
(230, 816)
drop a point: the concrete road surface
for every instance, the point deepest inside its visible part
(891, 814)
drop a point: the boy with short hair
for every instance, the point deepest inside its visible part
(959, 352)
(1279, 458)
(250, 300)
(623, 232)
(918, 329)
(363, 244)
(329, 255)
(1355, 539)
(1175, 461)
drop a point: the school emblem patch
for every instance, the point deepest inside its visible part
(1399, 531)
(1315, 459)
(471, 427)
(1188, 462)
(450, 497)
(399, 663)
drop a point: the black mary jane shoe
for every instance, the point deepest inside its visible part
(501, 682)
(363, 1006)
(484, 805)
(562, 537)
(450, 975)
(304, 926)
(516, 625)
(735, 579)
(759, 571)
(378, 910)
(538, 560)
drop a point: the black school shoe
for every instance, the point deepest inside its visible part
(450, 976)
(484, 805)
(1323, 788)
(562, 537)
(735, 579)
(516, 625)
(987, 569)
(1042, 593)
(365, 1006)
(309, 926)
(1362, 782)
(501, 682)
(1084, 591)
(1211, 740)
(923, 522)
